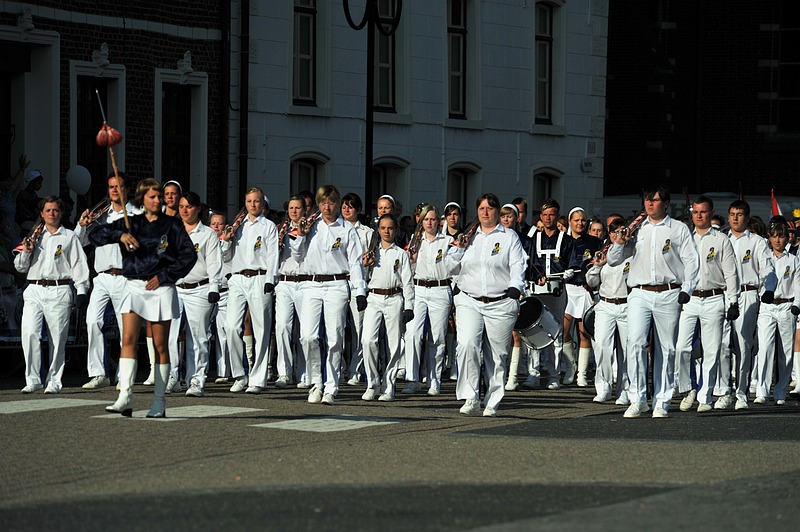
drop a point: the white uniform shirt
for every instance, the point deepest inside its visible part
(717, 264)
(786, 269)
(331, 249)
(56, 256)
(108, 256)
(661, 253)
(209, 258)
(612, 280)
(753, 263)
(254, 246)
(491, 264)
(288, 265)
(430, 264)
(393, 270)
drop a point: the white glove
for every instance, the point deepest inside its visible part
(569, 274)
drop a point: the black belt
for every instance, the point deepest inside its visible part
(708, 293)
(223, 290)
(779, 300)
(113, 271)
(658, 287)
(251, 273)
(748, 287)
(386, 291)
(291, 278)
(324, 278)
(614, 300)
(51, 282)
(485, 299)
(189, 286)
(429, 284)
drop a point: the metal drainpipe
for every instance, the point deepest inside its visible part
(244, 81)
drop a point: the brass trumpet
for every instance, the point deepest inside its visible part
(100, 209)
(306, 223)
(416, 239)
(465, 238)
(29, 242)
(284, 227)
(230, 229)
(372, 252)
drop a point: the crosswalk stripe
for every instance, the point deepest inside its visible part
(38, 405)
(328, 424)
(181, 413)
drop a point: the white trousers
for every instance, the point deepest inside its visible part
(243, 293)
(738, 342)
(287, 327)
(660, 309)
(106, 289)
(196, 313)
(484, 334)
(710, 312)
(610, 343)
(49, 305)
(386, 310)
(219, 317)
(427, 332)
(323, 302)
(772, 319)
(355, 320)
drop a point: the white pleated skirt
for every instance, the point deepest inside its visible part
(578, 301)
(156, 305)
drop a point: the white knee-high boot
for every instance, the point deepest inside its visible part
(583, 365)
(249, 350)
(159, 409)
(151, 354)
(513, 368)
(569, 356)
(127, 372)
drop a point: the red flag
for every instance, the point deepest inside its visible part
(776, 209)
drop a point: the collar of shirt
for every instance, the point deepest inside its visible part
(339, 221)
(497, 228)
(197, 228)
(58, 231)
(667, 221)
(259, 220)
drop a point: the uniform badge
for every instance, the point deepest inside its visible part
(439, 256)
(587, 254)
(747, 256)
(162, 245)
(496, 248)
(197, 248)
(788, 272)
(59, 252)
(396, 264)
(258, 243)
(711, 255)
(667, 246)
(337, 244)
(626, 268)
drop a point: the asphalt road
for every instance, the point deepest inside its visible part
(552, 460)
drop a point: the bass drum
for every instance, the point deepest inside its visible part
(588, 321)
(536, 324)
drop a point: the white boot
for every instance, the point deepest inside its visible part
(513, 367)
(151, 354)
(127, 372)
(583, 365)
(159, 409)
(249, 350)
(569, 356)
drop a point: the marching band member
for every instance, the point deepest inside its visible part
(664, 270)
(287, 302)
(387, 205)
(756, 274)
(579, 298)
(198, 291)
(158, 253)
(779, 317)
(610, 323)
(391, 277)
(351, 206)
(217, 224)
(452, 216)
(433, 298)
(253, 251)
(330, 252)
(54, 261)
(717, 287)
(109, 284)
(491, 275)
(172, 197)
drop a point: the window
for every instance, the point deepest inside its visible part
(543, 188)
(384, 89)
(457, 188)
(304, 175)
(463, 187)
(93, 157)
(176, 133)
(789, 69)
(305, 29)
(457, 58)
(389, 177)
(543, 58)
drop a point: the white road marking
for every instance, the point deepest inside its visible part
(37, 405)
(328, 424)
(188, 412)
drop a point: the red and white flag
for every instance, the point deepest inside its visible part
(776, 209)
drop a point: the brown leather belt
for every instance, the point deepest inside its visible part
(708, 293)
(51, 282)
(251, 273)
(779, 300)
(614, 300)
(485, 299)
(748, 287)
(658, 287)
(223, 290)
(324, 278)
(113, 271)
(386, 291)
(189, 286)
(430, 284)
(291, 278)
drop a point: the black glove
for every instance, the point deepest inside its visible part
(81, 300)
(683, 298)
(269, 288)
(213, 297)
(361, 303)
(456, 290)
(768, 296)
(795, 310)
(513, 293)
(408, 315)
(733, 313)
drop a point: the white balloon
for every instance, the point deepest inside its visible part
(79, 179)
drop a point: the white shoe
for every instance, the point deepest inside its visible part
(569, 375)
(703, 407)
(173, 385)
(602, 397)
(472, 407)
(195, 390)
(355, 380)
(303, 385)
(401, 373)
(582, 381)
(411, 387)
(724, 402)
(622, 400)
(51, 390)
(221, 380)
(327, 399)
(741, 404)
(370, 395)
(283, 381)
(688, 401)
(386, 397)
(99, 381)
(240, 385)
(489, 412)
(434, 390)
(760, 400)
(150, 380)
(636, 410)
(553, 385)
(531, 383)
(32, 388)
(779, 402)
(255, 390)
(659, 412)
(511, 384)
(315, 396)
